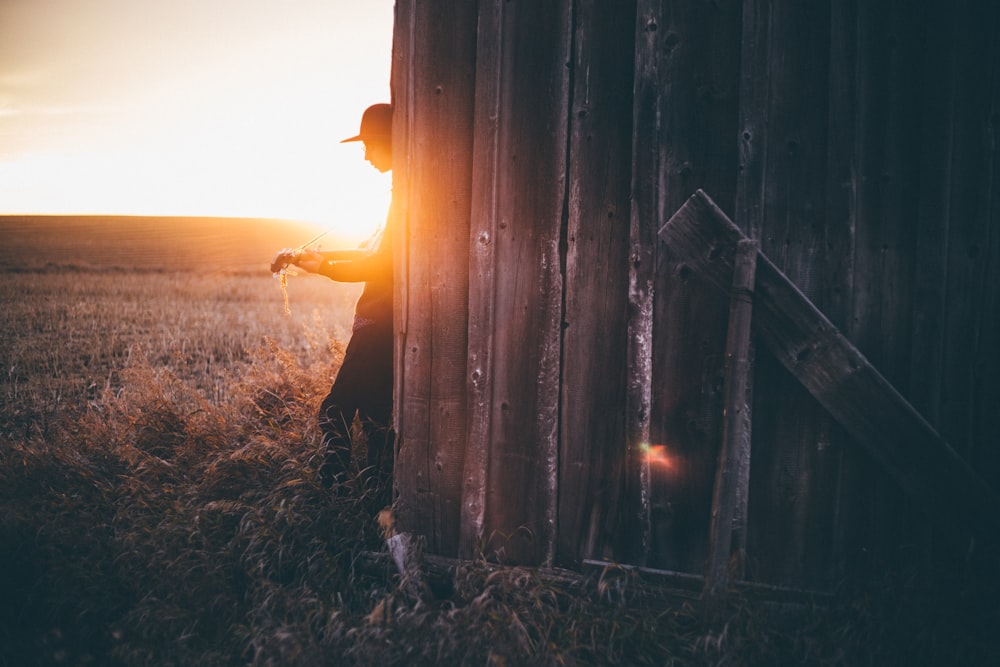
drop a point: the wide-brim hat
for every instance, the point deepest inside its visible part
(376, 123)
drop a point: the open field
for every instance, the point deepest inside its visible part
(159, 500)
(84, 297)
(145, 243)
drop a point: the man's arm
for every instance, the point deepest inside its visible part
(356, 265)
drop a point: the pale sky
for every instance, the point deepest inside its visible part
(193, 107)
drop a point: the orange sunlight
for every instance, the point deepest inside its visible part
(194, 108)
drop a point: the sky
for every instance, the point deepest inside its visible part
(193, 107)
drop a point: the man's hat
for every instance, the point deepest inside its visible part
(376, 123)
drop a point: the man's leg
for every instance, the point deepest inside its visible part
(363, 386)
(375, 410)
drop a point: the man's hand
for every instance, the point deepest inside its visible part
(309, 260)
(284, 257)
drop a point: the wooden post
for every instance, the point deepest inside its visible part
(838, 375)
(732, 468)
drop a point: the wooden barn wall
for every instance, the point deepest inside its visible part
(560, 373)
(854, 164)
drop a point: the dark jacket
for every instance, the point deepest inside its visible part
(372, 265)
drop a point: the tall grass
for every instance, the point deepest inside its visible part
(157, 527)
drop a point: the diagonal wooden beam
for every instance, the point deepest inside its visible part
(828, 365)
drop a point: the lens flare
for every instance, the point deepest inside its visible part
(657, 456)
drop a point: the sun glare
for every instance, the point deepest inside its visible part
(657, 456)
(122, 127)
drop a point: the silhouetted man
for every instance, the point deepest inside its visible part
(363, 386)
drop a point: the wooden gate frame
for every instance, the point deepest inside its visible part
(828, 365)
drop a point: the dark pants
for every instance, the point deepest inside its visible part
(363, 387)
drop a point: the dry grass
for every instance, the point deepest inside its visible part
(75, 316)
(64, 329)
(160, 506)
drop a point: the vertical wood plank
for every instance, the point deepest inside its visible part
(644, 219)
(879, 323)
(752, 122)
(522, 418)
(728, 501)
(931, 193)
(783, 197)
(592, 438)
(698, 86)
(966, 409)
(755, 46)
(928, 53)
(437, 100)
(482, 276)
(986, 454)
(837, 260)
(409, 476)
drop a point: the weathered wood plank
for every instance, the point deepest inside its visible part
(410, 473)
(930, 225)
(841, 187)
(971, 387)
(987, 358)
(634, 534)
(435, 92)
(731, 473)
(838, 375)
(482, 274)
(697, 85)
(592, 438)
(892, 45)
(754, 51)
(522, 419)
(837, 259)
(794, 465)
(752, 123)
